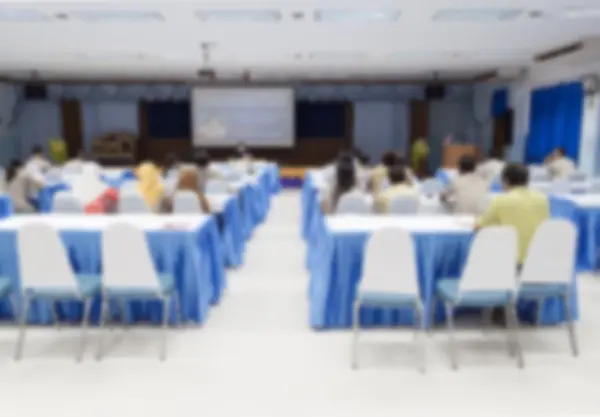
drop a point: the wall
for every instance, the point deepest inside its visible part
(589, 149)
(9, 99)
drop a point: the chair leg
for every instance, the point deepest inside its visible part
(122, 303)
(166, 300)
(510, 343)
(177, 302)
(101, 325)
(54, 310)
(420, 332)
(432, 308)
(451, 342)
(13, 306)
(486, 319)
(512, 320)
(22, 327)
(540, 312)
(570, 325)
(355, 333)
(87, 307)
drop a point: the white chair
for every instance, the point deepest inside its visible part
(578, 176)
(488, 281)
(389, 280)
(549, 268)
(353, 203)
(431, 187)
(47, 275)
(404, 205)
(65, 202)
(132, 202)
(217, 187)
(539, 174)
(129, 274)
(561, 186)
(72, 168)
(186, 202)
(595, 186)
(129, 186)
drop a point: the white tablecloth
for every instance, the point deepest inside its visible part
(422, 224)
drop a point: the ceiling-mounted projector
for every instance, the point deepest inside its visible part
(207, 74)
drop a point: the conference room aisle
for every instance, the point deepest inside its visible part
(256, 356)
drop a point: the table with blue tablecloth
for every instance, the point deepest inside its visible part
(189, 247)
(442, 244)
(229, 217)
(584, 211)
(6, 207)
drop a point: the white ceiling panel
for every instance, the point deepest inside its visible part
(310, 38)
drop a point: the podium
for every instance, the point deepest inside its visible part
(453, 152)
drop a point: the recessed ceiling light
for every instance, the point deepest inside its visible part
(476, 15)
(12, 15)
(95, 16)
(352, 15)
(239, 15)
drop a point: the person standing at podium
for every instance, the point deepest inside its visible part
(419, 155)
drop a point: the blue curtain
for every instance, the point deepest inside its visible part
(499, 102)
(108, 116)
(555, 121)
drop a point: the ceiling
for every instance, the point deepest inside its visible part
(286, 39)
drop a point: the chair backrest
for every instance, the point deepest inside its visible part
(431, 187)
(217, 187)
(595, 186)
(353, 203)
(551, 255)
(492, 261)
(577, 176)
(66, 202)
(132, 202)
(126, 258)
(539, 174)
(404, 204)
(561, 186)
(390, 263)
(43, 260)
(186, 202)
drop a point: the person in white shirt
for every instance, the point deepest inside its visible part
(37, 165)
(492, 167)
(559, 165)
(20, 187)
(467, 193)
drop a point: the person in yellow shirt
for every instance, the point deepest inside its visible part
(399, 186)
(419, 156)
(521, 207)
(150, 184)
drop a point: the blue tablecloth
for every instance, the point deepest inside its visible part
(587, 220)
(273, 181)
(45, 197)
(117, 181)
(6, 208)
(193, 257)
(336, 269)
(232, 232)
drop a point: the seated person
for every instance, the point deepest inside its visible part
(20, 187)
(188, 181)
(467, 191)
(75, 165)
(522, 207)
(492, 167)
(329, 171)
(170, 171)
(150, 185)
(559, 166)
(399, 186)
(380, 172)
(37, 165)
(345, 182)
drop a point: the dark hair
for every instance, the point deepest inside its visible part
(497, 153)
(561, 151)
(362, 157)
(170, 161)
(397, 174)
(345, 156)
(345, 178)
(201, 158)
(37, 150)
(466, 164)
(515, 175)
(12, 169)
(389, 158)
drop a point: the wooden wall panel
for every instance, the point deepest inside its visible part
(72, 126)
(419, 119)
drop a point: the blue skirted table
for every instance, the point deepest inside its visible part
(442, 244)
(229, 218)
(189, 247)
(6, 207)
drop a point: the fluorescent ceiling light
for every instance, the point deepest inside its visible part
(340, 15)
(239, 15)
(335, 55)
(476, 15)
(116, 56)
(11, 15)
(582, 13)
(117, 16)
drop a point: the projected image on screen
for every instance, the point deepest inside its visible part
(223, 117)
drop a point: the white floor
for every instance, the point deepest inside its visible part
(256, 356)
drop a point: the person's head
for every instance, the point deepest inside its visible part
(397, 174)
(496, 153)
(345, 176)
(12, 169)
(188, 180)
(170, 161)
(201, 158)
(514, 175)
(466, 164)
(560, 152)
(345, 156)
(37, 150)
(389, 158)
